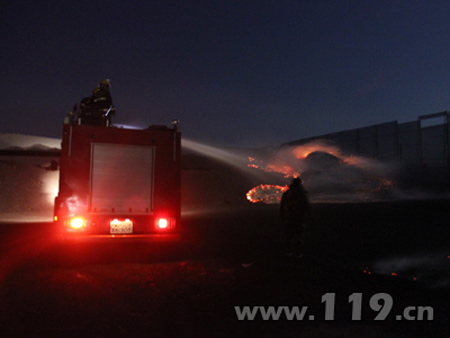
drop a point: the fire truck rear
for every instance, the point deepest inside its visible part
(119, 182)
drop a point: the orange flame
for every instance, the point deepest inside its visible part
(350, 174)
(266, 193)
(301, 152)
(285, 169)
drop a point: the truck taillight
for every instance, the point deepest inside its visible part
(77, 223)
(164, 223)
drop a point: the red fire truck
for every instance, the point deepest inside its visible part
(119, 182)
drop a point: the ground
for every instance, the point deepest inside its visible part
(230, 257)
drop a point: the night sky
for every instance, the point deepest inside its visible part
(235, 73)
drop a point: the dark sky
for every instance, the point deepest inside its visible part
(247, 73)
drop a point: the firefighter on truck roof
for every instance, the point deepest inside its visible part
(98, 108)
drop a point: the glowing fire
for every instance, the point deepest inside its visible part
(328, 174)
(266, 193)
(301, 152)
(274, 167)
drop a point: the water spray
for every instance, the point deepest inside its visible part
(225, 156)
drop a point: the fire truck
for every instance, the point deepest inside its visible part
(119, 182)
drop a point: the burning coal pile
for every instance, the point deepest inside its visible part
(329, 175)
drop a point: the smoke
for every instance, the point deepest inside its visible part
(19, 141)
(328, 173)
(28, 189)
(432, 269)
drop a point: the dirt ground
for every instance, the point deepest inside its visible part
(230, 257)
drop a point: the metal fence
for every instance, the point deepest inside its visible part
(424, 142)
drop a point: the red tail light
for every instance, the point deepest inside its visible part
(77, 223)
(164, 223)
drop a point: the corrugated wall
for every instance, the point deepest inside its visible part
(416, 143)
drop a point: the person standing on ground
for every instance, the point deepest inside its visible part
(295, 213)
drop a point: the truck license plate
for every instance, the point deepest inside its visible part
(121, 227)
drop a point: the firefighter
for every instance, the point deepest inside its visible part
(103, 101)
(98, 108)
(295, 213)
